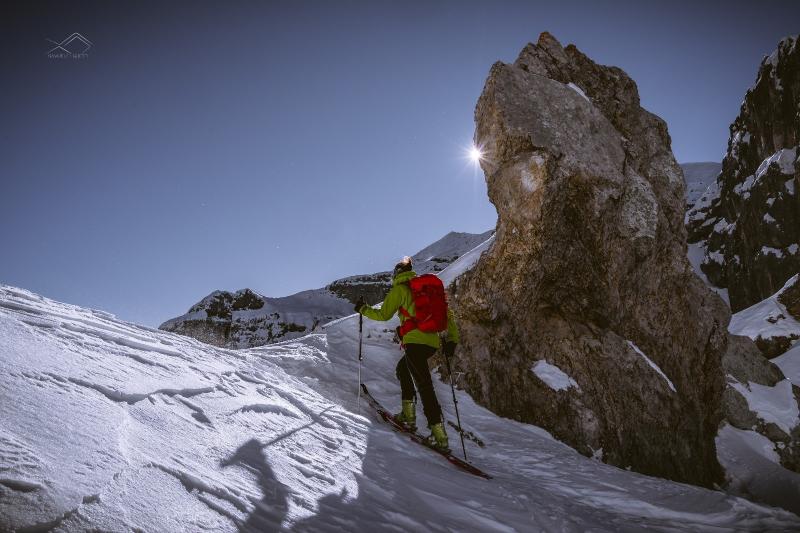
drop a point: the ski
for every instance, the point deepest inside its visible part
(416, 437)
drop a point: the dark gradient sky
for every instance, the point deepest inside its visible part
(278, 146)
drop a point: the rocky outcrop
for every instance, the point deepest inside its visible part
(758, 397)
(749, 219)
(773, 323)
(373, 287)
(245, 319)
(431, 259)
(588, 273)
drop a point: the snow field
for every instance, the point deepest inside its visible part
(113, 426)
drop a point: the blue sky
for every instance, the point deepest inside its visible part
(278, 146)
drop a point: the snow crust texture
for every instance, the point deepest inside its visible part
(110, 426)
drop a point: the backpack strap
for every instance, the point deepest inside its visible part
(408, 324)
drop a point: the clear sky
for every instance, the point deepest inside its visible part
(278, 145)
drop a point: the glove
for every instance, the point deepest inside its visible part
(359, 304)
(449, 349)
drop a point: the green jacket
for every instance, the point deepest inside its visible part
(400, 296)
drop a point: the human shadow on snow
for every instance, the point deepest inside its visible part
(270, 512)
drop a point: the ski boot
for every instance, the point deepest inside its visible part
(408, 416)
(438, 438)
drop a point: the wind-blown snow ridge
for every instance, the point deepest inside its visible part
(255, 440)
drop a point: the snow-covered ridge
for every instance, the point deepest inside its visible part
(112, 426)
(439, 255)
(466, 261)
(746, 221)
(245, 319)
(768, 321)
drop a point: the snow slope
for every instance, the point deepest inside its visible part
(701, 185)
(698, 177)
(752, 467)
(443, 252)
(111, 426)
(789, 363)
(767, 319)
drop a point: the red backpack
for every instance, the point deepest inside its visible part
(430, 303)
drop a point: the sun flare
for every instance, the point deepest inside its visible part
(475, 154)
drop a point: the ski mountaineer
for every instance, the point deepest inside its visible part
(419, 346)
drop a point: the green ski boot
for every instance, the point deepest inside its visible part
(408, 416)
(438, 438)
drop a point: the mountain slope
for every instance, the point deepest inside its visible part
(762, 398)
(698, 177)
(773, 323)
(246, 319)
(113, 426)
(747, 223)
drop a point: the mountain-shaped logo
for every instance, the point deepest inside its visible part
(75, 46)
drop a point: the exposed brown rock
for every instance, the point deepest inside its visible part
(588, 270)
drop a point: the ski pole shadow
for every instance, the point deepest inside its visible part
(270, 512)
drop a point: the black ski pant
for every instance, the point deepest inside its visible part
(413, 368)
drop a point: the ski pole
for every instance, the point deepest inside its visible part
(455, 403)
(360, 357)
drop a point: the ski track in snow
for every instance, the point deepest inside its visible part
(111, 426)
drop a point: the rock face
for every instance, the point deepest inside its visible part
(759, 398)
(431, 259)
(374, 287)
(245, 319)
(588, 273)
(749, 219)
(773, 323)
